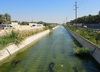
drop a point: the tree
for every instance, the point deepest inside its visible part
(24, 23)
(5, 19)
(90, 19)
(2, 19)
(8, 18)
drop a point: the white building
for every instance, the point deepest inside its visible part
(15, 25)
(35, 25)
(30, 24)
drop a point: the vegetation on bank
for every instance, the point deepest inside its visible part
(79, 50)
(89, 34)
(90, 19)
(16, 37)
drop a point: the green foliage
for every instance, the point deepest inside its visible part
(16, 37)
(8, 39)
(76, 43)
(81, 51)
(24, 23)
(87, 33)
(5, 19)
(90, 19)
(46, 24)
(50, 27)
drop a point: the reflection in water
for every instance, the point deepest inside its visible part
(75, 69)
(50, 67)
(15, 62)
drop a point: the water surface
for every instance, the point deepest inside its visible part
(53, 53)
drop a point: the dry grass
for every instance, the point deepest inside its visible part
(17, 36)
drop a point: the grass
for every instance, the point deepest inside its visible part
(89, 34)
(79, 50)
(16, 37)
(50, 27)
(11, 38)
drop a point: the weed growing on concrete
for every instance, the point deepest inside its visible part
(79, 50)
(89, 34)
(17, 36)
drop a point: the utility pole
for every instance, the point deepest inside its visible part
(76, 12)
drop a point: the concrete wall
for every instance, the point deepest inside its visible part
(94, 50)
(13, 48)
(94, 26)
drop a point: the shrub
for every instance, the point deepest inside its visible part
(89, 34)
(81, 51)
(16, 37)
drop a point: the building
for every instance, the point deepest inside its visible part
(35, 25)
(30, 24)
(15, 25)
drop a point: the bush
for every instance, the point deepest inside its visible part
(87, 33)
(81, 51)
(10, 38)
(16, 37)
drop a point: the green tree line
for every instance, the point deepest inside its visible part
(90, 19)
(5, 18)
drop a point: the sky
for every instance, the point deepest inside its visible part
(53, 11)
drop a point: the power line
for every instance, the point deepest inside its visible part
(82, 3)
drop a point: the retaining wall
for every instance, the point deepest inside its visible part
(94, 50)
(11, 49)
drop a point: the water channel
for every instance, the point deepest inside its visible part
(53, 53)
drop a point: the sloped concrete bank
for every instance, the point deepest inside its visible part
(94, 50)
(12, 49)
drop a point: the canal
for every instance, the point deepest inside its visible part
(53, 53)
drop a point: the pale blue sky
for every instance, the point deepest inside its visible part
(47, 10)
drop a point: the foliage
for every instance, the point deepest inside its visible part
(8, 39)
(16, 37)
(81, 51)
(90, 19)
(24, 23)
(45, 23)
(50, 27)
(5, 19)
(76, 43)
(89, 34)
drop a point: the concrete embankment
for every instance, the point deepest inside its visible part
(94, 50)
(13, 48)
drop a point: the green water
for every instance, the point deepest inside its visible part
(53, 53)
